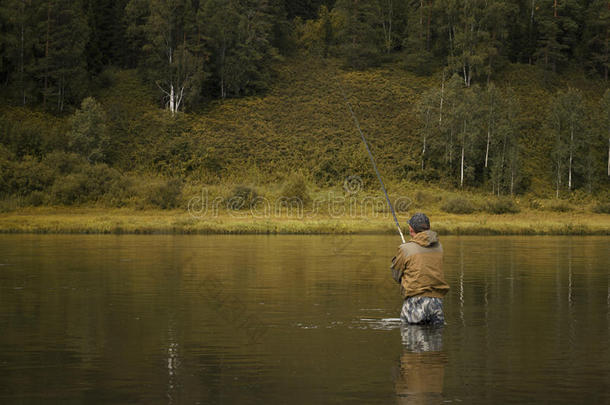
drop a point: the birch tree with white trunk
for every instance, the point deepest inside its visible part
(426, 111)
(491, 96)
(567, 119)
(169, 60)
(450, 123)
(469, 116)
(605, 110)
(385, 11)
(504, 155)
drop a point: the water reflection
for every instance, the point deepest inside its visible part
(160, 319)
(422, 365)
(173, 362)
(462, 284)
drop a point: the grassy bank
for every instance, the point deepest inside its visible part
(119, 221)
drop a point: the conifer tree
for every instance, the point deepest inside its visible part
(557, 24)
(597, 36)
(62, 36)
(16, 43)
(357, 32)
(107, 38)
(240, 34)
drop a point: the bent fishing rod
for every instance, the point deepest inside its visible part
(374, 164)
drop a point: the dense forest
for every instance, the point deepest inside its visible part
(52, 52)
(97, 95)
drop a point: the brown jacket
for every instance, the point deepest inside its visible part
(418, 267)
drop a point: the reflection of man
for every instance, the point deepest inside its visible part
(418, 268)
(422, 365)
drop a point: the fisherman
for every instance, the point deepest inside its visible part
(417, 267)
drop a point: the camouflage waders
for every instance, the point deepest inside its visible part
(422, 310)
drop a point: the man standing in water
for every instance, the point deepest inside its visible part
(417, 267)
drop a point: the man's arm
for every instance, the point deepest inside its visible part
(398, 266)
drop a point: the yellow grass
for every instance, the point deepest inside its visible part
(99, 220)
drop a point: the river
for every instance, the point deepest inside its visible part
(298, 319)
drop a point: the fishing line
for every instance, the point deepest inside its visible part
(373, 162)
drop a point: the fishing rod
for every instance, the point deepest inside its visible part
(374, 164)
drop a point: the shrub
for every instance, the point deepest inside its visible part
(429, 175)
(100, 178)
(535, 204)
(502, 205)
(7, 169)
(30, 175)
(10, 204)
(559, 206)
(165, 194)
(241, 197)
(22, 137)
(89, 134)
(458, 205)
(361, 57)
(602, 208)
(70, 189)
(327, 173)
(64, 162)
(296, 187)
(120, 191)
(424, 198)
(36, 199)
(420, 62)
(92, 184)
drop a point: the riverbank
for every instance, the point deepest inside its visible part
(130, 221)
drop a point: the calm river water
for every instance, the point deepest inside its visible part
(298, 320)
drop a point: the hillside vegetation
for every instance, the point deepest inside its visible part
(142, 103)
(301, 128)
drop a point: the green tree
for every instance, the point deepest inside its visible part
(469, 42)
(16, 43)
(605, 111)
(135, 18)
(504, 152)
(316, 36)
(358, 35)
(218, 21)
(469, 118)
(427, 111)
(418, 27)
(240, 34)
(497, 18)
(391, 15)
(567, 119)
(89, 134)
(597, 36)
(107, 38)
(558, 25)
(449, 122)
(491, 106)
(168, 58)
(305, 9)
(62, 36)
